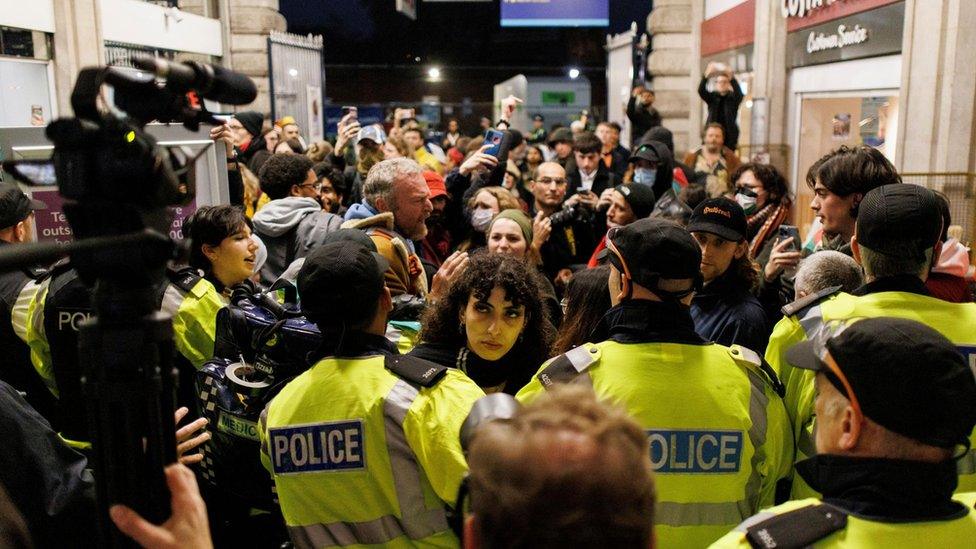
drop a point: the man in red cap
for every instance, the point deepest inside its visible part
(437, 245)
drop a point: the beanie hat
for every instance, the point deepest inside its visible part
(251, 120)
(519, 217)
(640, 198)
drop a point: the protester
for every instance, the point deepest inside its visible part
(651, 164)
(713, 162)
(333, 189)
(481, 208)
(566, 447)
(360, 406)
(627, 203)
(586, 301)
(570, 237)
(436, 246)
(725, 310)
(289, 146)
(504, 331)
(762, 192)
(948, 279)
(839, 180)
(395, 147)
(683, 175)
(533, 158)
(393, 212)
(452, 135)
(588, 176)
(613, 155)
(320, 151)
(271, 137)
(723, 102)
(293, 222)
(641, 112)
(826, 270)
(561, 143)
(414, 139)
(888, 429)
(511, 233)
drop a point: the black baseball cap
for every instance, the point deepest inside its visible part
(645, 151)
(539, 118)
(15, 206)
(339, 277)
(892, 215)
(719, 216)
(906, 376)
(655, 248)
(640, 198)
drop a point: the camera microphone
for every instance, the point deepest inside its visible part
(210, 81)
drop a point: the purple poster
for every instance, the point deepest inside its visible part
(555, 13)
(52, 225)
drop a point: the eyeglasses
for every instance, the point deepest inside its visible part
(820, 346)
(560, 181)
(316, 186)
(625, 289)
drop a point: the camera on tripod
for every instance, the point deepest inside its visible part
(117, 184)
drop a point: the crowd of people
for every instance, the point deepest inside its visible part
(665, 362)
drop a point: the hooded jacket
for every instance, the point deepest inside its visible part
(406, 273)
(665, 167)
(290, 227)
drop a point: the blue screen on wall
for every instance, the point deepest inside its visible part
(555, 13)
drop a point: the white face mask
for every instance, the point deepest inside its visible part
(481, 219)
(645, 176)
(746, 199)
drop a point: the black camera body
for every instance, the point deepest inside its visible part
(568, 215)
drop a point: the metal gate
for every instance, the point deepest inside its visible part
(297, 81)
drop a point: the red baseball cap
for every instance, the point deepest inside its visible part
(436, 184)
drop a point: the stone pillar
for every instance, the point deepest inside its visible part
(673, 64)
(770, 81)
(937, 107)
(246, 26)
(77, 44)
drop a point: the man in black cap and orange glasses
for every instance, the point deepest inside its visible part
(719, 434)
(897, 238)
(895, 405)
(17, 288)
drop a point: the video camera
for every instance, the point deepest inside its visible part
(117, 184)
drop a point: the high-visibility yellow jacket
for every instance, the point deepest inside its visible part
(361, 455)
(718, 432)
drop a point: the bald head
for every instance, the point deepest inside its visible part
(549, 187)
(569, 448)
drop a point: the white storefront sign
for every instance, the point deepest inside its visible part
(845, 36)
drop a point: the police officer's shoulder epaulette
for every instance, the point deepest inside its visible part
(752, 360)
(809, 301)
(415, 370)
(185, 278)
(565, 367)
(798, 528)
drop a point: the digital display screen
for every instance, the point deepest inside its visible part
(555, 13)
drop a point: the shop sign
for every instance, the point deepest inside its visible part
(803, 8)
(866, 34)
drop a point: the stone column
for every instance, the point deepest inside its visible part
(673, 65)
(246, 26)
(937, 107)
(77, 44)
(769, 79)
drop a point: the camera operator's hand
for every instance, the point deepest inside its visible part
(478, 162)
(781, 257)
(541, 229)
(508, 107)
(348, 129)
(187, 527)
(185, 439)
(453, 266)
(223, 133)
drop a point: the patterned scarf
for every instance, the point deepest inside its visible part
(762, 224)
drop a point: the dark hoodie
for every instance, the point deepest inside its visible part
(664, 135)
(665, 167)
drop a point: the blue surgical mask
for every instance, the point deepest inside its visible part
(746, 199)
(645, 176)
(481, 219)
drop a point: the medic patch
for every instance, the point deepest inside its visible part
(317, 447)
(695, 451)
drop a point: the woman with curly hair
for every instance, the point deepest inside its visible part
(761, 191)
(491, 324)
